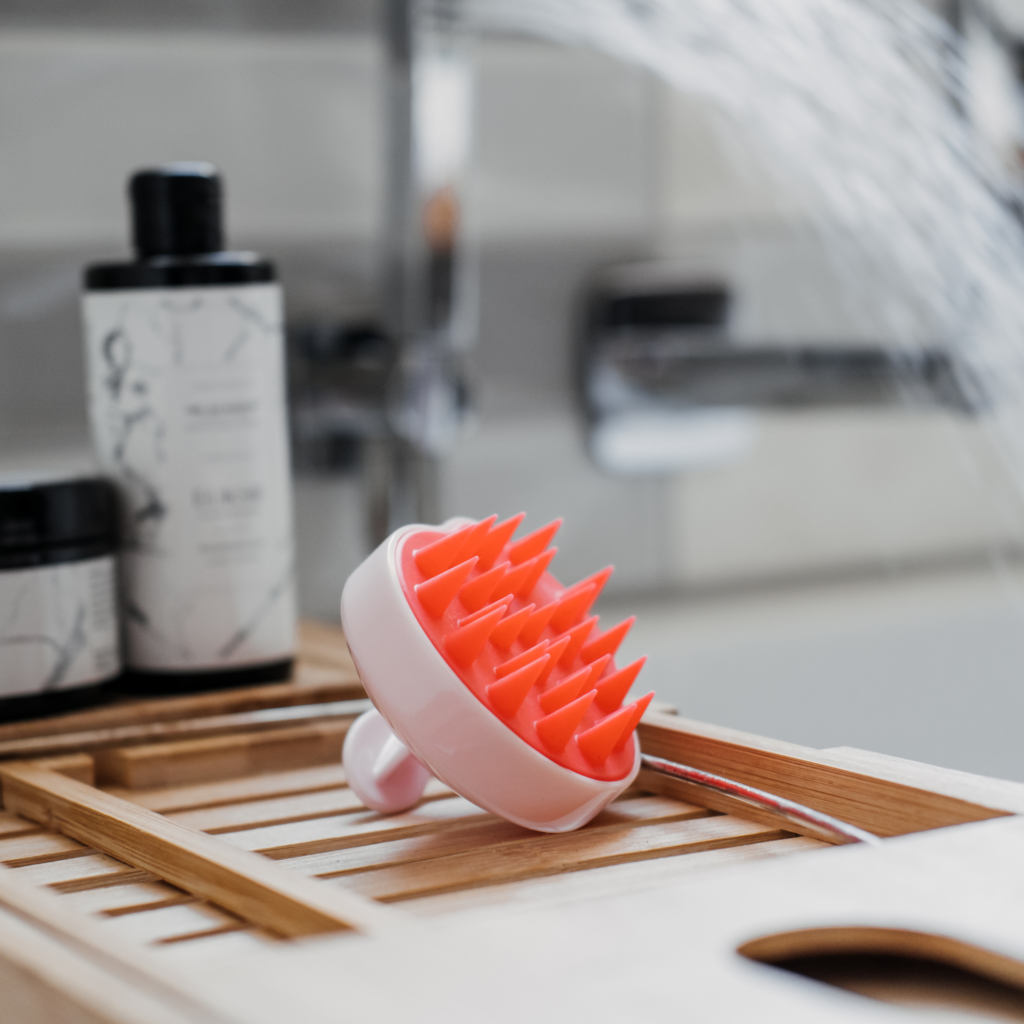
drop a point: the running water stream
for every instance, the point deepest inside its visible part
(854, 104)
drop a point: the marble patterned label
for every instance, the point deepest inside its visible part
(187, 402)
(58, 627)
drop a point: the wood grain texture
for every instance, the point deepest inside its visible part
(44, 982)
(177, 923)
(251, 886)
(77, 874)
(210, 759)
(358, 829)
(286, 810)
(114, 900)
(58, 967)
(611, 880)
(38, 848)
(557, 854)
(15, 825)
(280, 810)
(215, 947)
(669, 952)
(878, 805)
(474, 834)
(236, 791)
(196, 726)
(74, 766)
(976, 789)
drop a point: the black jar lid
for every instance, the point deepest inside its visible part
(56, 513)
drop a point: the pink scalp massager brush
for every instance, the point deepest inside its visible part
(488, 673)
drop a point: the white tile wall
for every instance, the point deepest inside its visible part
(294, 121)
(579, 160)
(840, 490)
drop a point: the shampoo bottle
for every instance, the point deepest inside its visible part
(186, 391)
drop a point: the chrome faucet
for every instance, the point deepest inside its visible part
(393, 394)
(665, 386)
(429, 283)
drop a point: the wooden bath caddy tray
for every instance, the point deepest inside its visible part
(201, 859)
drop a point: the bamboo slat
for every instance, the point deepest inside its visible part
(281, 810)
(114, 900)
(285, 810)
(167, 799)
(357, 829)
(611, 880)
(191, 761)
(179, 923)
(38, 848)
(59, 967)
(476, 835)
(557, 854)
(15, 825)
(44, 980)
(76, 874)
(876, 804)
(202, 950)
(74, 766)
(251, 886)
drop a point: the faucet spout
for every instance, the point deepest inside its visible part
(430, 291)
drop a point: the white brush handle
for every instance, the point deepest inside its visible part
(379, 767)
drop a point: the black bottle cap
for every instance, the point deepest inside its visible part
(45, 514)
(176, 210)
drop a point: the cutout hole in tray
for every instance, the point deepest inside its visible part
(905, 968)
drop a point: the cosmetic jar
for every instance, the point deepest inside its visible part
(59, 637)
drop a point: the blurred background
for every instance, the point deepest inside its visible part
(817, 550)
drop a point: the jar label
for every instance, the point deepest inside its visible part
(58, 627)
(187, 402)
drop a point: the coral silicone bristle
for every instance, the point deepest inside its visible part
(612, 691)
(437, 593)
(537, 567)
(523, 578)
(466, 642)
(522, 659)
(476, 537)
(596, 669)
(477, 593)
(598, 743)
(511, 626)
(509, 692)
(533, 543)
(503, 604)
(572, 608)
(577, 637)
(568, 689)
(556, 729)
(442, 554)
(638, 707)
(491, 546)
(557, 652)
(513, 579)
(599, 579)
(537, 623)
(607, 643)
